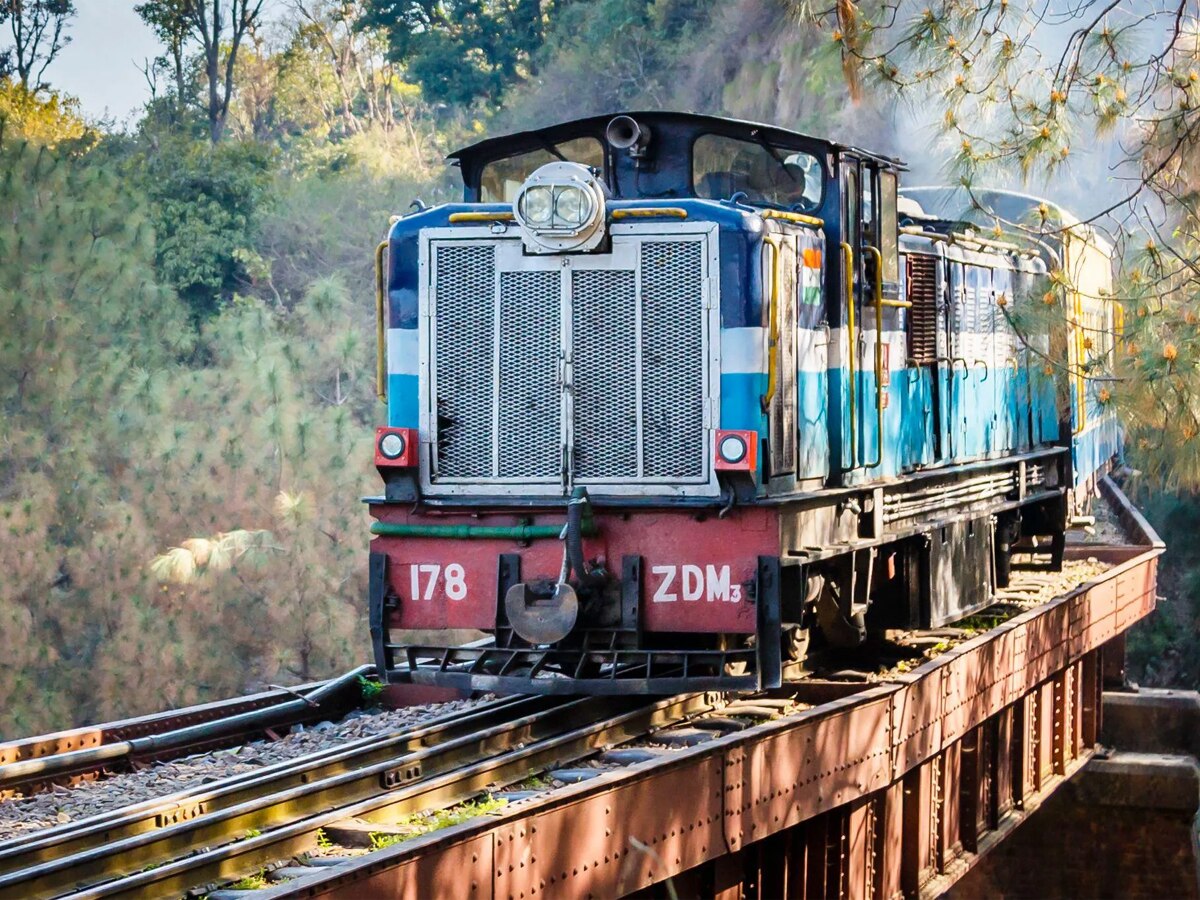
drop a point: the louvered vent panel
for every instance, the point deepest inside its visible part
(922, 293)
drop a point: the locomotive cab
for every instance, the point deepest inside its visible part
(659, 399)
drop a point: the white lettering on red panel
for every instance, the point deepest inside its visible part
(691, 583)
(424, 579)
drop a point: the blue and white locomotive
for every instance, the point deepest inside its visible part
(669, 395)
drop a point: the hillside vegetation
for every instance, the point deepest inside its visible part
(187, 395)
(186, 316)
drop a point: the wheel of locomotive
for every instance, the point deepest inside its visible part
(795, 640)
(838, 625)
(737, 667)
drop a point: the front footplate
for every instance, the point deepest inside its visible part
(545, 671)
(590, 670)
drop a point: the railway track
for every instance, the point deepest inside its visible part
(34, 764)
(206, 839)
(238, 825)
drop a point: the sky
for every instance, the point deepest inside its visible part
(101, 65)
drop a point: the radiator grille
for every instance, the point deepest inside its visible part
(604, 327)
(922, 293)
(465, 275)
(528, 396)
(673, 359)
(630, 406)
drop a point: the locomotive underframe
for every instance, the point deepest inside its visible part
(920, 551)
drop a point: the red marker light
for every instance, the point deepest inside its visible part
(396, 447)
(737, 451)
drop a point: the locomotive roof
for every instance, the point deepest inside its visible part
(474, 155)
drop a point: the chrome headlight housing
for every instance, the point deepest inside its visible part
(560, 209)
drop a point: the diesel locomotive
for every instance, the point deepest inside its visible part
(670, 396)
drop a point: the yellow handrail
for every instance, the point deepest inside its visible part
(380, 326)
(793, 217)
(1080, 364)
(879, 303)
(773, 317)
(848, 278)
(498, 216)
(647, 212)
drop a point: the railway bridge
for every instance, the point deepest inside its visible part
(946, 773)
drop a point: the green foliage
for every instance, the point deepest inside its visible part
(462, 51)
(424, 823)
(748, 58)
(82, 324)
(127, 435)
(45, 118)
(1163, 650)
(255, 882)
(371, 692)
(38, 29)
(207, 203)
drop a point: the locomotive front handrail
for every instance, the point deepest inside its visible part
(480, 532)
(773, 332)
(647, 212)
(879, 303)
(380, 325)
(496, 216)
(793, 217)
(982, 362)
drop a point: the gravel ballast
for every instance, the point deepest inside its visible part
(60, 805)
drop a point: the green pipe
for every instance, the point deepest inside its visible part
(514, 532)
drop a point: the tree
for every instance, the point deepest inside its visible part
(179, 23)
(368, 85)
(166, 18)
(462, 51)
(47, 119)
(1023, 86)
(38, 29)
(207, 203)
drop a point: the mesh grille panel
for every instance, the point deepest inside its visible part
(529, 415)
(639, 373)
(465, 314)
(673, 359)
(603, 325)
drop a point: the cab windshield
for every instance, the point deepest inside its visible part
(502, 178)
(768, 175)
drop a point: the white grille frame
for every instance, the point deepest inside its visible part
(625, 253)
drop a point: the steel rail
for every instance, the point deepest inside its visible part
(61, 842)
(290, 792)
(200, 733)
(225, 847)
(51, 758)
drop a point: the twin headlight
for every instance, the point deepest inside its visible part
(560, 208)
